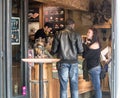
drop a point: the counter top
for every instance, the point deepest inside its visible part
(41, 60)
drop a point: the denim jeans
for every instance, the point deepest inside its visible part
(69, 72)
(110, 76)
(95, 78)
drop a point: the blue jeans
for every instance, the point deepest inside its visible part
(110, 76)
(95, 78)
(69, 72)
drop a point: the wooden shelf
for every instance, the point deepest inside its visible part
(102, 26)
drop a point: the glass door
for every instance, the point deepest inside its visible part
(16, 48)
(18, 39)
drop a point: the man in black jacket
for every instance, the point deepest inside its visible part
(67, 45)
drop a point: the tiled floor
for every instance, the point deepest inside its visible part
(90, 95)
(106, 95)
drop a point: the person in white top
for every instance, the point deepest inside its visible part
(106, 56)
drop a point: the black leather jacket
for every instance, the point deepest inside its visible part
(67, 45)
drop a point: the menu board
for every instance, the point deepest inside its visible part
(55, 15)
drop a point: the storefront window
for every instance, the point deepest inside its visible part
(16, 48)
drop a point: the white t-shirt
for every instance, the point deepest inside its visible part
(106, 54)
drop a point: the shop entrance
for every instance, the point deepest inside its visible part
(13, 47)
(18, 49)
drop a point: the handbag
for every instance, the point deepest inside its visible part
(85, 70)
(103, 72)
(104, 69)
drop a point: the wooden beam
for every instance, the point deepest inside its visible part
(69, 4)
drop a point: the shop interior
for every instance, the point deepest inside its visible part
(86, 14)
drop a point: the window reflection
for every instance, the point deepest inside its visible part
(16, 49)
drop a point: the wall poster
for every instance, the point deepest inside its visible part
(15, 30)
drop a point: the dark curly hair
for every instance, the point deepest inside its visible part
(95, 37)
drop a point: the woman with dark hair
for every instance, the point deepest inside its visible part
(92, 56)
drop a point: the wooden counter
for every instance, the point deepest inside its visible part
(51, 85)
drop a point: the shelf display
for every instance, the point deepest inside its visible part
(56, 16)
(15, 30)
(33, 15)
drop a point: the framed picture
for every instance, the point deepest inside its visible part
(15, 30)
